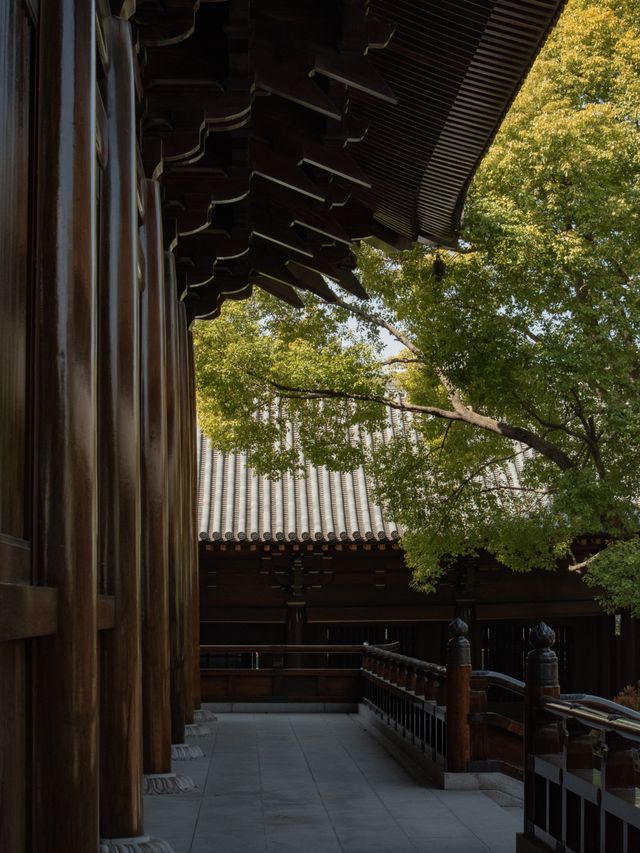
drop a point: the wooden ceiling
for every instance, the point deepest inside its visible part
(285, 130)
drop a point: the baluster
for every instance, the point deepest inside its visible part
(420, 683)
(431, 686)
(411, 677)
(366, 659)
(387, 667)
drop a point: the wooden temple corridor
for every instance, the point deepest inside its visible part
(319, 783)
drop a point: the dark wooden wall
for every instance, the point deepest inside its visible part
(358, 592)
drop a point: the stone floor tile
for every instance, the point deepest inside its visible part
(318, 783)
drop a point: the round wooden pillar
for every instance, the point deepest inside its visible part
(186, 474)
(65, 713)
(193, 534)
(119, 453)
(155, 552)
(174, 505)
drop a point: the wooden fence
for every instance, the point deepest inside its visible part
(578, 755)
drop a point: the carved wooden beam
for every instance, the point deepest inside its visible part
(354, 71)
(166, 23)
(312, 281)
(277, 288)
(293, 81)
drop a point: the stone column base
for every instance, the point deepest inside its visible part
(184, 751)
(141, 844)
(167, 783)
(201, 715)
(197, 730)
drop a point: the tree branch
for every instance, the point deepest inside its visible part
(550, 425)
(580, 567)
(460, 412)
(400, 360)
(393, 330)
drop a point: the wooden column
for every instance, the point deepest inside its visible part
(296, 621)
(119, 452)
(174, 503)
(155, 553)
(65, 713)
(186, 477)
(458, 694)
(195, 569)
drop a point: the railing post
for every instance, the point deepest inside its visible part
(458, 692)
(541, 679)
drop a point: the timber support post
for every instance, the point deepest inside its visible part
(156, 690)
(198, 714)
(296, 623)
(458, 696)
(174, 500)
(119, 453)
(541, 679)
(65, 704)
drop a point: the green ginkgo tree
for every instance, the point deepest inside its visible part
(518, 353)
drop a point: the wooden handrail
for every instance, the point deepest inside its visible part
(588, 768)
(429, 666)
(598, 702)
(499, 679)
(623, 725)
(282, 649)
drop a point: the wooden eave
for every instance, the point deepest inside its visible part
(284, 131)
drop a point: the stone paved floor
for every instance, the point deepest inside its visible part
(318, 783)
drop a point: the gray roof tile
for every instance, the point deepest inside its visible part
(235, 504)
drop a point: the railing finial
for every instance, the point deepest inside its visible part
(542, 661)
(542, 636)
(458, 652)
(458, 628)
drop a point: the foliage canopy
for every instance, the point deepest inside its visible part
(525, 351)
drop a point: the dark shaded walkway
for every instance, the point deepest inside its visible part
(318, 783)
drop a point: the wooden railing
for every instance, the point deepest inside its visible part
(579, 755)
(287, 673)
(582, 764)
(427, 702)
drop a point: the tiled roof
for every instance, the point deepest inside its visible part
(235, 504)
